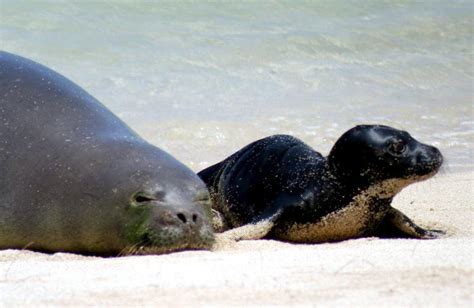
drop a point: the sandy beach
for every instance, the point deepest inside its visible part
(361, 272)
(202, 79)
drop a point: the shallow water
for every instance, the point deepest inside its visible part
(202, 80)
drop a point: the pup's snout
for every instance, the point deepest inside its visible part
(429, 157)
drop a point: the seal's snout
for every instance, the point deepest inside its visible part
(169, 214)
(166, 226)
(186, 225)
(428, 159)
(170, 211)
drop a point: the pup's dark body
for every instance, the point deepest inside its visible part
(282, 185)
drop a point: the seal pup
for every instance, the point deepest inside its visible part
(75, 178)
(279, 187)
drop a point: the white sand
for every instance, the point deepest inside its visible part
(359, 272)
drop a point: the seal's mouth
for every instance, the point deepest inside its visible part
(427, 161)
(170, 239)
(427, 169)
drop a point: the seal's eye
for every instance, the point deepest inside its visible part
(397, 148)
(143, 198)
(203, 198)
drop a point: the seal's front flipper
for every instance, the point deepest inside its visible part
(260, 225)
(255, 230)
(218, 222)
(397, 224)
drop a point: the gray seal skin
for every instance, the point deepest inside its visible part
(279, 187)
(75, 178)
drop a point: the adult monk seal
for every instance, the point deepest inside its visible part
(280, 187)
(75, 178)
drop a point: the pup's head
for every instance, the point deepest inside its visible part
(373, 153)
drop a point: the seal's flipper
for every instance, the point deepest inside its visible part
(397, 224)
(255, 230)
(218, 222)
(261, 225)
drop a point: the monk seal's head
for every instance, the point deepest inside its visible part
(164, 205)
(367, 154)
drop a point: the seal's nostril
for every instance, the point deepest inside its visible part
(182, 217)
(195, 217)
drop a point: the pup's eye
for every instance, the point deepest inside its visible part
(397, 148)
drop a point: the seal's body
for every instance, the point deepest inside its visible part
(280, 187)
(74, 177)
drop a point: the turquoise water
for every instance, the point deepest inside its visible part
(203, 79)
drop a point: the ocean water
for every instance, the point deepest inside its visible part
(202, 79)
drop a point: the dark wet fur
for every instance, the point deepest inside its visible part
(283, 172)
